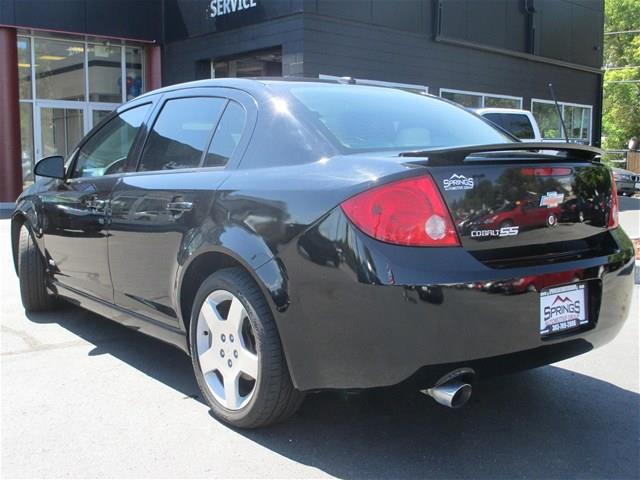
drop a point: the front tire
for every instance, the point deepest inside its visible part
(236, 353)
(32, 275)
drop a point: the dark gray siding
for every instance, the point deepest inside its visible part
(338, 47)
(567, 30)
(137, 19)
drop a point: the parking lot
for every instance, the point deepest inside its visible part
(84, 397)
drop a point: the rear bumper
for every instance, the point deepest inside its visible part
(362, 314)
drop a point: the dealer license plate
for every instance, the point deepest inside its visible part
(637, 185)
(563, 308)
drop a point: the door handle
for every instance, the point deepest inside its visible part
(178, 207)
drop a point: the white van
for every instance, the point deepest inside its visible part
(519, 123)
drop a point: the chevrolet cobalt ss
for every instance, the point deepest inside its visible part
(294, 236)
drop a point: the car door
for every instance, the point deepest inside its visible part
(157, 210)
(76, 209)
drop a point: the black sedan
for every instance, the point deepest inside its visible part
(295, 236)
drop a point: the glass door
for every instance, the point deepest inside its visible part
(59, 128)
(98, 113)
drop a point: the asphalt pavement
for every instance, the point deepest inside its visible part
(85, 397)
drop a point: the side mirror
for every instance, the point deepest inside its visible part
(52, 167)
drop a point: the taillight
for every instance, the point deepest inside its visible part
(614, 208)
(406, 212)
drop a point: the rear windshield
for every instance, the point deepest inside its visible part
(516, 123)
(373, 118)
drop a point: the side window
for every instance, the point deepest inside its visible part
(106, 151)
(227, 136)
(180, 133)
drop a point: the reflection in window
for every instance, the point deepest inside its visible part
(105, 73)
(180, 134)
(59, 69)
(106, 151)
(227, 136)
(134, 85)
(24, 67)
(26, 135)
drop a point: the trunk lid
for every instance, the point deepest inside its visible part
(526, 207)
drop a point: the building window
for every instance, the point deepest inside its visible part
(262, 63)
(577, 119)
(67, 85)
(133, 65)
(24, 67)
(59, 70)
(105, 73)
(26, 136)
(481, 100)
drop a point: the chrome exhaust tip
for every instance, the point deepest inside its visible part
(453, 394)
(454, 389)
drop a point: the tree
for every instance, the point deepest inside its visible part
(621, 97)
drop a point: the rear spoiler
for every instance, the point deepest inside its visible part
(460, 154)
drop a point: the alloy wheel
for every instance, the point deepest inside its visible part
(226, 350)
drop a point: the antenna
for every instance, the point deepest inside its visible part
(564, 128)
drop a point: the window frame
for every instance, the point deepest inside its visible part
(562, 128)
(244, 99)
(482, 95)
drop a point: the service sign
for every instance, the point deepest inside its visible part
(218, 8)
(562, 308)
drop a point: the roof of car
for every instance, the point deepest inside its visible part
(242, 83)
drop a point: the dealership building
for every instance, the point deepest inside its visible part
(64, 64)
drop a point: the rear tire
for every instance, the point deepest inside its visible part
(222, 347)
(33, 275)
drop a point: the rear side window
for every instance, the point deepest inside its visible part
(107, 150)
(227, 136)
(515, 123)
(180, 133)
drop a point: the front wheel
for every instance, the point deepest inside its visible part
(32, 275)
(236, 353)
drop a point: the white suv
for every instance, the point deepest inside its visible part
(519, 123)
